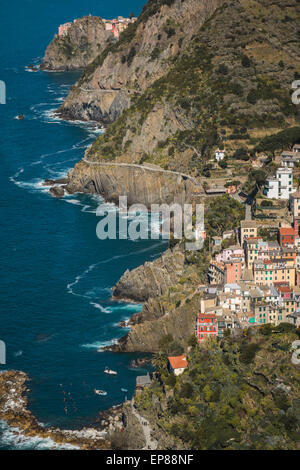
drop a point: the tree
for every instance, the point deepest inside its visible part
(246, 62)
(241, 154)
(223, 164)
(192, 341)
(252, 96)
(164, 342)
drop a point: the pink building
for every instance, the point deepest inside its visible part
(233, 270)
(63, 29)
(229, 253)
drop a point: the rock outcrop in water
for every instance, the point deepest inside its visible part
(84, 40)
(14, 410)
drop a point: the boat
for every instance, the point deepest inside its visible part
(108, 371)
(124, 390)
(20, 117)
(102, 393)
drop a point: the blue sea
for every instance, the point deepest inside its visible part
(56, 275)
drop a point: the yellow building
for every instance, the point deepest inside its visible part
(248, 229)
(271, 271)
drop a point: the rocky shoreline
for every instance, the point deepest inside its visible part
(15, 412)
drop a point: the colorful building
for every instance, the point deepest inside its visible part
(286, 236)
(206, 327)
(248, 230)
(274, 271)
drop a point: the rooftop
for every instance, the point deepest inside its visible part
(143, 380)
(287, 231)
(248, 224)
(178, 362)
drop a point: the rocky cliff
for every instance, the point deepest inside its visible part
(85, 40)
(159, 319)
(139, 184)
(223, 70)
(152, 279)
(143, 54)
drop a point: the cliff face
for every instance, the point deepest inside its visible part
(139, 184)
(232, 76)
(85, 39)
(160, 320)
(152, 279)
(143, 54)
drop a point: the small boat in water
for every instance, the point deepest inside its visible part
(102, 393)
(124, 390)
(108, 371)
(20, 117)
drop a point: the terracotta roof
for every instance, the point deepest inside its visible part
(178, 362)
(287, 231)
(203, 316)
(284, 289)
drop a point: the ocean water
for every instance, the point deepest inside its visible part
(56, 276)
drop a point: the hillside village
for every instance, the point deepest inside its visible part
(255, 280)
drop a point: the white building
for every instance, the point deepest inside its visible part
(280, 186)
(220, 155)
(177, 364)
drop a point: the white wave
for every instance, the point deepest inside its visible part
(99, 307)
(128, 307)
(12, 438)
(99, 344)
(74, 201)
(35, 184)
(71, 285)
(18, 353)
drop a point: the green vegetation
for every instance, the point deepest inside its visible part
(283, 140)
(222, 213)
(237, 393)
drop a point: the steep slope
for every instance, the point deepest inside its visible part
(144, 53)
(153, 278)
(85, 40)
(237, 394)
(234, 77)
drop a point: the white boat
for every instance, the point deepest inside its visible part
(124, 390)
(100, 392)
(109, 371)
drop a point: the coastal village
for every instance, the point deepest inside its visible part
(115, 26)
(254, 279)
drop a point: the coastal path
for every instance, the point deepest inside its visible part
(147, 168)
(150, 443)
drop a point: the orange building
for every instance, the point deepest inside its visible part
(286, 236)
(206, 327)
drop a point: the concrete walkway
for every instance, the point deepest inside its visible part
(150, 443)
